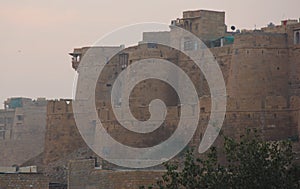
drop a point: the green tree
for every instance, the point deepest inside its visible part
(250, 163)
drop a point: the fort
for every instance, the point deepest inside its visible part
(261, 69)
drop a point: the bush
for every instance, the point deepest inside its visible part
(250, 163)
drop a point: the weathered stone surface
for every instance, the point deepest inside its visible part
(262, 74)
(24, 181)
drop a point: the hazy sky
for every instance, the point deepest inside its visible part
(36, 36)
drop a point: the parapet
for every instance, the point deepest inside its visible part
(202, 13)
(16, 169)
(260, 40)
(59, 106)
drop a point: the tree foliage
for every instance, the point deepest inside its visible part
(250, 163)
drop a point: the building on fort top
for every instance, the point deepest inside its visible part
(208, 25)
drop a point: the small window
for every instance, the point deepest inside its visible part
(186, 25)
(123, 60)
(20, 117)
(190, 45)
(2, 134)
(196, 27)
(297, 37)
(236, 51)
(202, 109)
(69, 116)
(108, 116)
(152, 45)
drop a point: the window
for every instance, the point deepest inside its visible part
(2, 133)
(196, 27)
(190, 45)
(186, 24)
(152, 45)
(123, 60)
(297, 37)
(20, 117)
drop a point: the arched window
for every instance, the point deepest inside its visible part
(297, 37)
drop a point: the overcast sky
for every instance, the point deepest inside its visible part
(36, 36)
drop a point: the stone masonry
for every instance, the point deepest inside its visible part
(261, 69)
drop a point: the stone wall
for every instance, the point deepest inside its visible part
(261, 71)
(259, 68)
(83, 174)
(23, 181)
(256, 70)
(62, 136)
